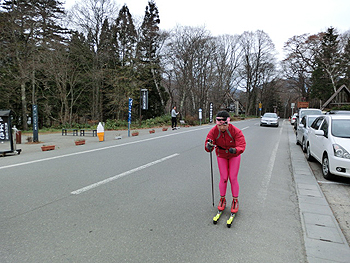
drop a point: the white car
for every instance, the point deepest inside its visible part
(303, 130)
(269, 119)
(329, 143)
(293, 118)
(303, 112)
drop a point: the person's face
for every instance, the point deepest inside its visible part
(222, 123)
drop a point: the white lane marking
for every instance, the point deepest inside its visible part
(245, 128)
(110, 179)
(105, 148)
(267, 178)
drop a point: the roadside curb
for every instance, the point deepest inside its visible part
(323, 238)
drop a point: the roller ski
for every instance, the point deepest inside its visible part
(234, 210)
(221, 207)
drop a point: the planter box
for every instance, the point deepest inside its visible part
(135, 134)
(164, 129)
(152, 131)
(48, 147)
(79, 142)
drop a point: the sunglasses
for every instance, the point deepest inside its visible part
(221, 121)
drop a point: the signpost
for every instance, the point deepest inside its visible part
(144, 99)
(35, 124)
(200, 116)
(7, 145)
(5, 131)
(129, 117)
(211, 112)
(260, 107)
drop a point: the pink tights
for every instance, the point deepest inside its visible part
(229, 170)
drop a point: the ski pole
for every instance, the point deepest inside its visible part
(212, 180)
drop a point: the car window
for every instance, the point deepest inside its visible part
(303, 121)
(324, 128)
(317, 123)
(310, 112)
(270, 115)
(341, 128)
(310, 120)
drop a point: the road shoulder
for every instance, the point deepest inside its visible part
(324, 241)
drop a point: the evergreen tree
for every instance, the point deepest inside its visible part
(149, 62)
(346, 63)
(325, 78)
(125, 36)
(122, 82)
(31, 26)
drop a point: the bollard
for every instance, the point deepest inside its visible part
(100, 132)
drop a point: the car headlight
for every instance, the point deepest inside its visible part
(340, 151)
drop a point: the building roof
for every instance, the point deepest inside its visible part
(341, 99)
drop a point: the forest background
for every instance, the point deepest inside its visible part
(81, 66)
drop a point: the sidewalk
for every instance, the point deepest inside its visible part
(67, 141)
(324, 241)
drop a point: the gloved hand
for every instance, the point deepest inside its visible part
(232, 150)
(210, 145)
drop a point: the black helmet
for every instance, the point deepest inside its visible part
(223, 114)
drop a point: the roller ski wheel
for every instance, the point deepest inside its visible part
(230, 220)
(217, 217)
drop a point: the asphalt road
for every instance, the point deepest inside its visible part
(148, 199)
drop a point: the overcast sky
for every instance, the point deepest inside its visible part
(279, 19)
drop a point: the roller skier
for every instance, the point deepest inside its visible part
(229, 143)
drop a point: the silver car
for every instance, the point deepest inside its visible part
(303, 130)
(269, 119)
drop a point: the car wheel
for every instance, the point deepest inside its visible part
(325, 168)
(303, 145)
(308, 153)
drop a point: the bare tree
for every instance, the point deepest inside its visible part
(190, 56)
(300, 62)
(227, 61)
(258, 55)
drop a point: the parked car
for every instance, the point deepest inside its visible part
(329, 143)
(269, 119)
(303, 130)
(293, 118)
(303, 112)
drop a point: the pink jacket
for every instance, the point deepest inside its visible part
(232, 138)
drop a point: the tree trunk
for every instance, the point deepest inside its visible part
(24, 106)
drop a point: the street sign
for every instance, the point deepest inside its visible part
(129, 117)
(35, 124)
(211, 112)
(303, 104)
(144, 99)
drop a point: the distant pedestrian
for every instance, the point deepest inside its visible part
(173, 118)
